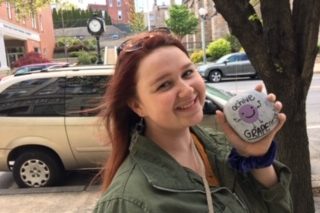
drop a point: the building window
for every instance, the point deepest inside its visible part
(40, 23)
(119, 15)
(37, 97)
(33, 21)
(110, 3)
(8, 6)
(83, 94)
(119, 3)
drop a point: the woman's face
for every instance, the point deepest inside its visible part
(170, 91)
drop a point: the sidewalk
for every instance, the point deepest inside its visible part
(71, 202)
(316, 68)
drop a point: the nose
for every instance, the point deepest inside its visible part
(185, 89)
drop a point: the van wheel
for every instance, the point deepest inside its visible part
(33, 168)
(215, 76)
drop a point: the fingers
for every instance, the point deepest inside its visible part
(259, 87)
(278, 106)
(282, 119)
(271, 97)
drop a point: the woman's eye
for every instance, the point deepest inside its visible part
(164, 85)
(187, 73)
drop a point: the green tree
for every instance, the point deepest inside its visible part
(234, 42)
(25, 8)
(181, 21)
(137, 22)
(283, 49)
(75, 17)
(218, 48)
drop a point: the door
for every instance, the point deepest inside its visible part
(246, 66)
(86, 136)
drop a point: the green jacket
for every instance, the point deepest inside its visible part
(150, 180)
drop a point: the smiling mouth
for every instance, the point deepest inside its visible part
(250, 116)
(187, 106)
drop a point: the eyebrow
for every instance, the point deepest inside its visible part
(185, 66)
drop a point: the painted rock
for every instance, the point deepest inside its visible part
(251, 115)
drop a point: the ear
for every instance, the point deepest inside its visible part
(135, 106)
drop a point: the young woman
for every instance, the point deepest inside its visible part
(161, 161)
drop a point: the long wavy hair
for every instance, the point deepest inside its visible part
(118, 118)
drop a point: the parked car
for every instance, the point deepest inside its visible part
(231, 65)
(36, 67)
(48, 125)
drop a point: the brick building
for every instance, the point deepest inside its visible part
(119, 10)
(19, 36)
(157, 16)
(215, 25)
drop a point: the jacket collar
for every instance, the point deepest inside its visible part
(160, 169)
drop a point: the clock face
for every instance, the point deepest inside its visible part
(95, 25)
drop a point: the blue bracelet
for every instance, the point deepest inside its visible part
(246, 164)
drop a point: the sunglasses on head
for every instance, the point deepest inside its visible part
(131, 45)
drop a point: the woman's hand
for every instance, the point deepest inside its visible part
(258, 148)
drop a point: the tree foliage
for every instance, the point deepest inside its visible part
(181, 21)
(25, 8)
(234, 42)
(30, 58)
(282, 49)
(218, 48)
(137, 22)
(75, 17)
(196, 56)
(74, 44)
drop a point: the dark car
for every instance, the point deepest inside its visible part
(231, 65)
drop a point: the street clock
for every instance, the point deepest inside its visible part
(95, 26)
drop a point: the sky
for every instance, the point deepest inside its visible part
(140, 4)
(145, 4)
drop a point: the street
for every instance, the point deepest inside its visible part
(79, 196)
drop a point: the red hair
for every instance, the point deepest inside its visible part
(118, 118)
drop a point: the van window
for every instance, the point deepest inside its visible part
(244, 57)
(36, 97)
(83, 93)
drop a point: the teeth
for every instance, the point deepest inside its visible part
(186, 106)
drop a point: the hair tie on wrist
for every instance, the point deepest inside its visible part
(246, 164)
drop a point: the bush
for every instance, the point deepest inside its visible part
(84, 58)
(234, 42)
(30, 58)
(74, 44)
(219, 48)
(73, 54)
(197, 56)
(90, 43)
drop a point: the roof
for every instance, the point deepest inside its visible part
(59, 72)
(83, 31)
